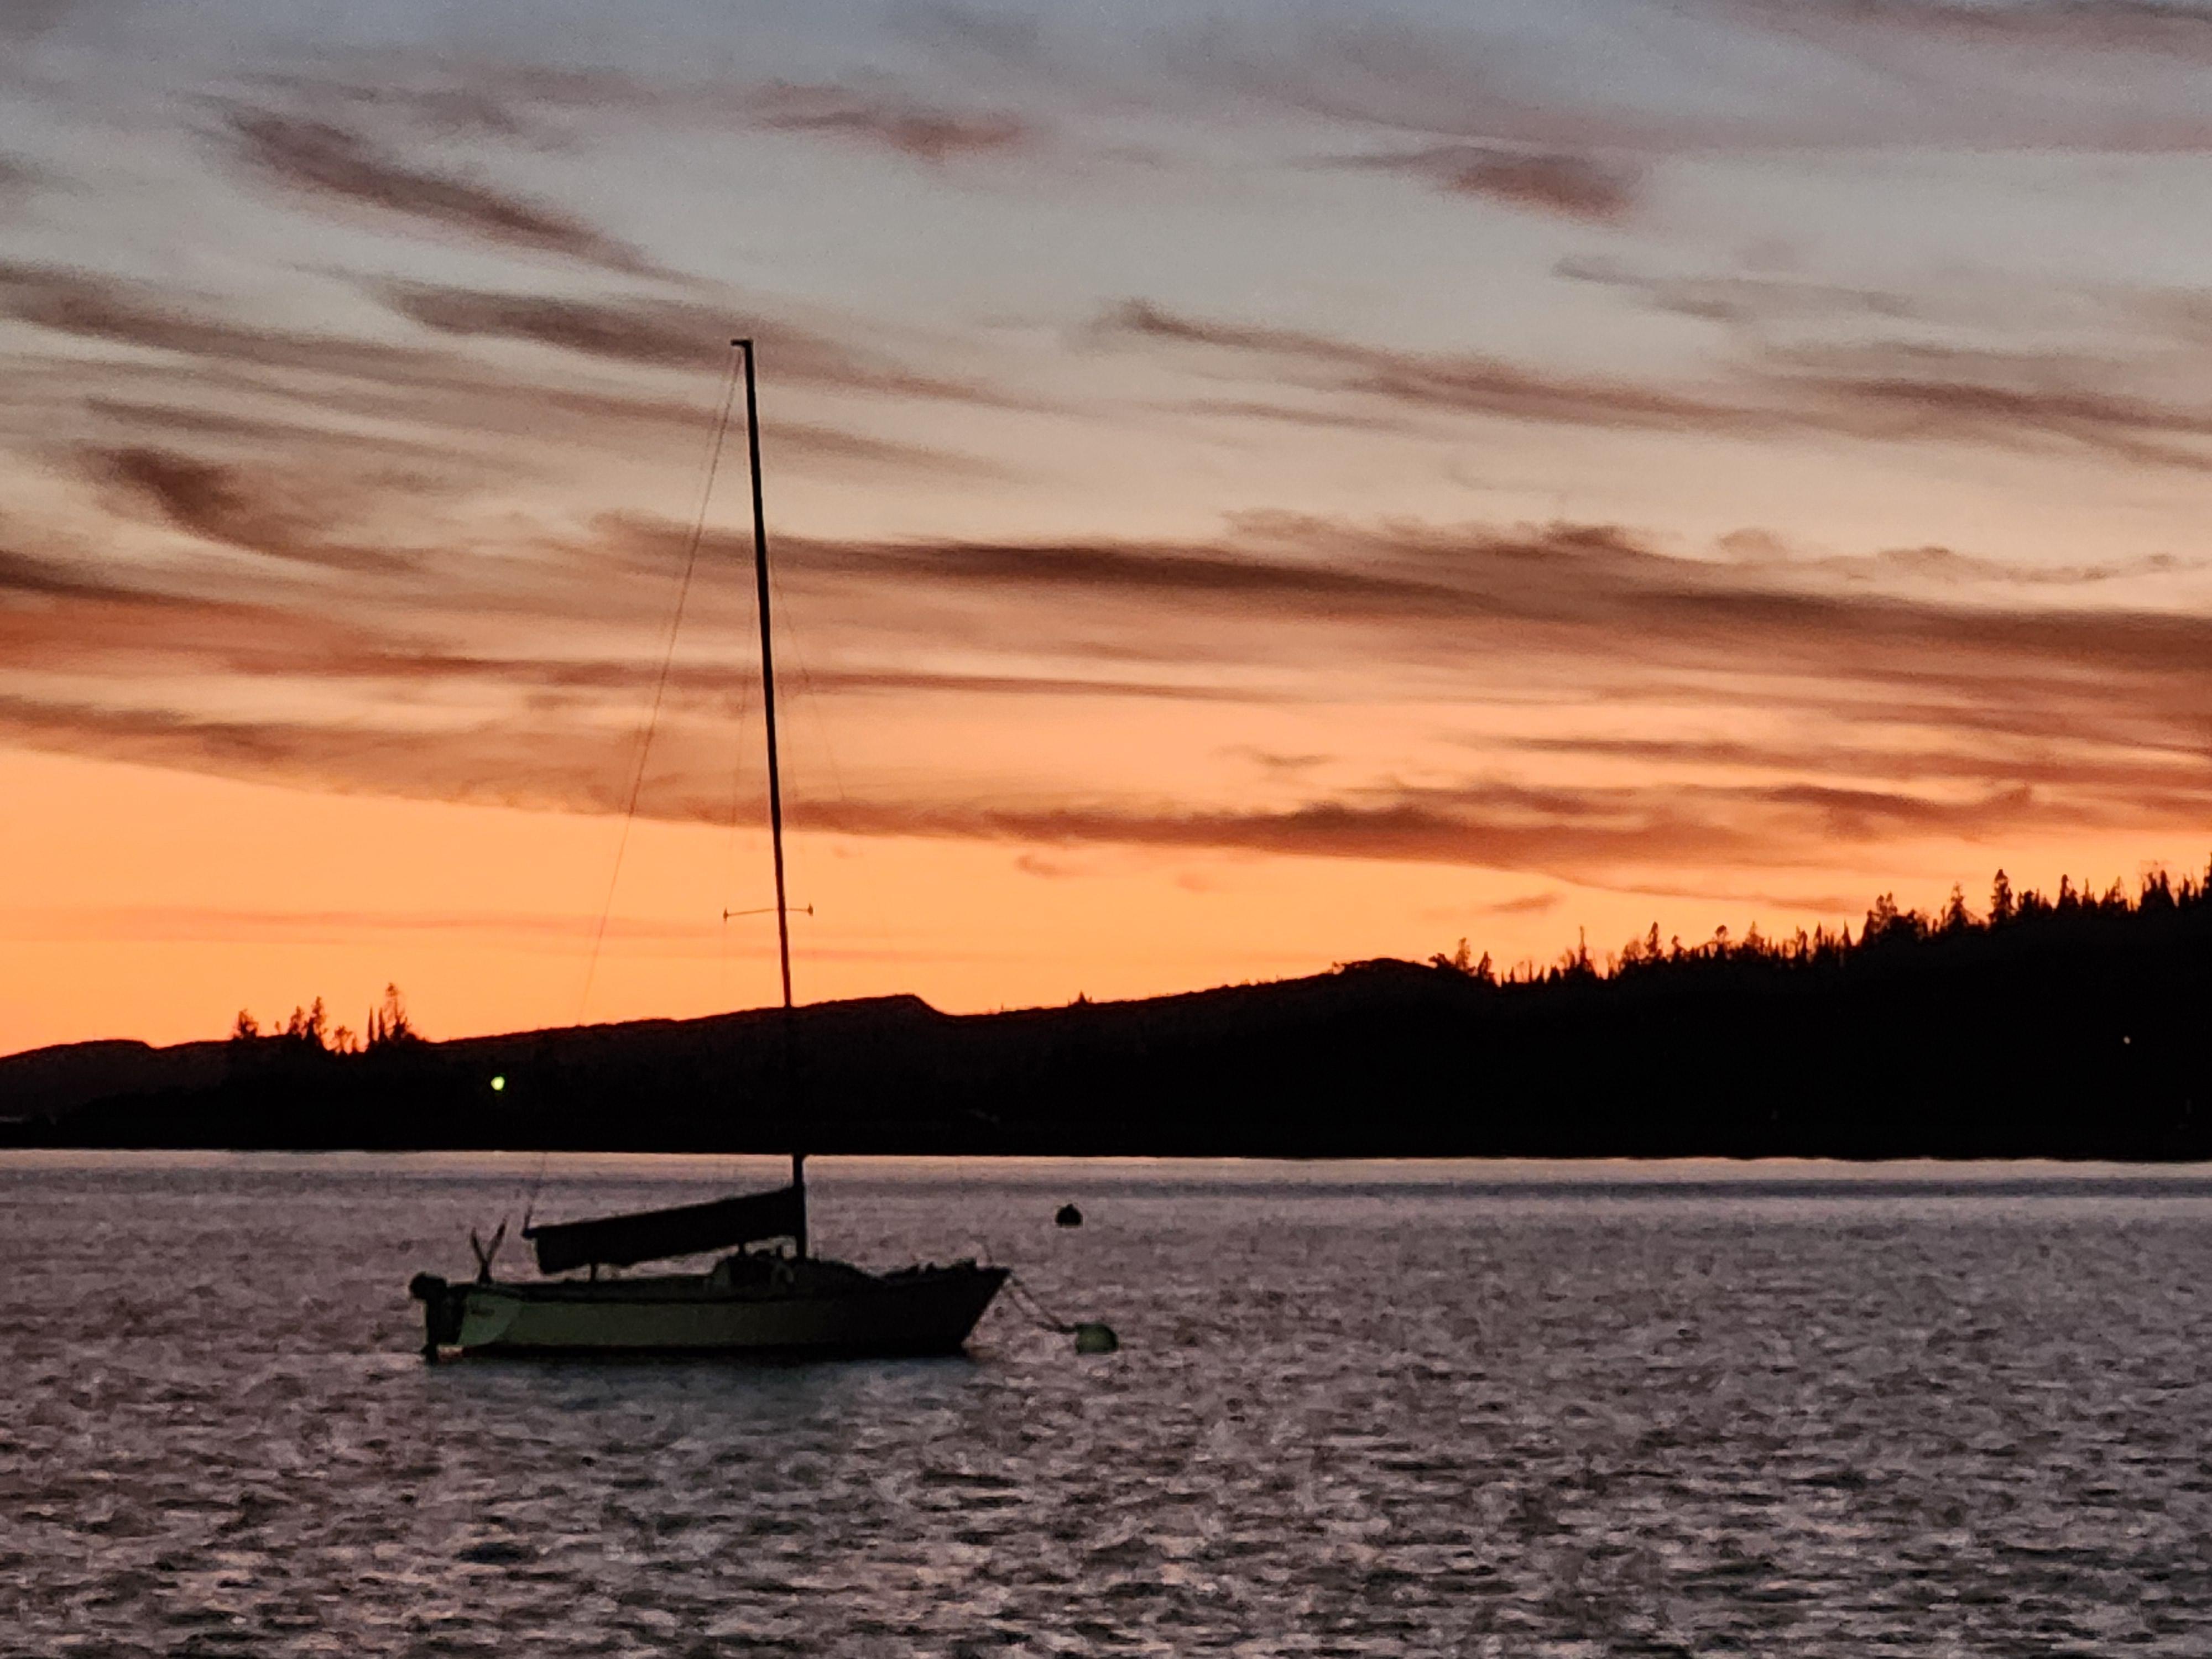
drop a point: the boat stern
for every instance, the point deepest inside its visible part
(443, 1307)
(460, 1316)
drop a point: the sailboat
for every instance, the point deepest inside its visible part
(784, 1302)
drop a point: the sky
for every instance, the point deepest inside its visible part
(1250, 486)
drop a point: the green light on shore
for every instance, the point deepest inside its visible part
(498, 1084)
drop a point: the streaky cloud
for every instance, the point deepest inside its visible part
(1949, 567)
(1739, 300)
(252, 511)
(1879, 392)
(660, 333)
(1565, 832)
(89, 306)
(1913, 391)
(26, 576)
(1529, 904)
(1501, 826)
(919, 131)
(1474, 81)
(2077, 28)
(669, 334)
(327, 161)
(1901, 718)
(2042, 763)
(312, 386)
(1568, 185)
(1466, 383)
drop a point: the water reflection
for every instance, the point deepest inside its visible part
(1371, 1411)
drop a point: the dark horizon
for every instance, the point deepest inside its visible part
(2052, 1024)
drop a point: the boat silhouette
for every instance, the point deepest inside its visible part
(786, 1302)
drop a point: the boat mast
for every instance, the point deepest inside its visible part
(775, 774)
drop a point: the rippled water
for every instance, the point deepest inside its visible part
(1386, 1409)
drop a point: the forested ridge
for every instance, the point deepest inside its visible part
(2069, 1024)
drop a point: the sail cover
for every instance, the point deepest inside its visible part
(616, 1241)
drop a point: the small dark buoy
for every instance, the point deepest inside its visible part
(1092, 1337)
(1069, 1216)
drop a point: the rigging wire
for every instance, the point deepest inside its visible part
(660, 684)
(651, 725)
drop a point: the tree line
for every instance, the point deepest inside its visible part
(2027, 918)
(309, 1030)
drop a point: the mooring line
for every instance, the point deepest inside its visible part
(1032, 1305)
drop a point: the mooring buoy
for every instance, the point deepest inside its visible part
(1092, 1337)
(1069, 1216)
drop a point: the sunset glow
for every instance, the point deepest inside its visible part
(1250, 487)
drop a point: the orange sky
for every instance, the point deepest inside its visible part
(1248, 493)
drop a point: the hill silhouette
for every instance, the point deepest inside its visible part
(2067, 1025)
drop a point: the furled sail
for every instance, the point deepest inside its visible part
(616, 1241)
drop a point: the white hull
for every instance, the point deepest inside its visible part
(821, 1309)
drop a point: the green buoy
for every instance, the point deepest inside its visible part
(1092, 1337)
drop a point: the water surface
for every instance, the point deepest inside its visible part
(1458, 1408)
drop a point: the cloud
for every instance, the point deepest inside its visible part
(660, 333)
(671, 334)
(1275, 764)
(336, 400)
(1561, 586)
(1568, 832)
(1338, 417)
(255, 511)
(2048, 763)
(1462, 383)
(204, 499)
(460, 407)
(1570, 186)
(580, 652)
(2074, 28)
(169, 423)
(478, 101)
(24, 576)
(321, 160)
(1914, 391)
(1282, 596)
(1529, 904)
(1882, 391)
(1889, 719)
(1125, 569)
(1482, 823)
(1501, 826)
(1739, 300)
(907, 682)
(489, 765)
(26, 20)
(86, 305)
(1711, 78)
(877, 117)
(1948, 566)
